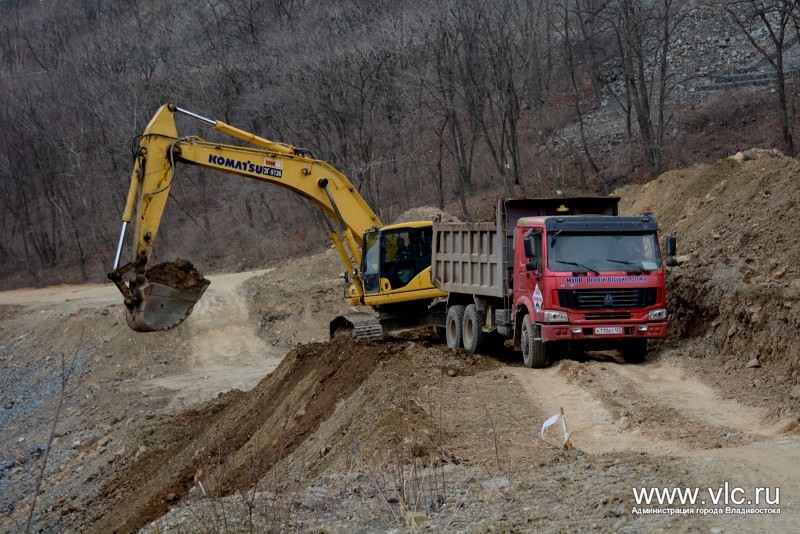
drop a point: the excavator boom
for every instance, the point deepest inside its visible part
(161, 297)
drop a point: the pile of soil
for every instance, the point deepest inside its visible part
(425, 213)
(297, 416)
(179, 274)
(737, 289)
(232, 442)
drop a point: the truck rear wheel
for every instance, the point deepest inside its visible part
(475, 339)
(634, 350)
(534, 352)
(454, 322)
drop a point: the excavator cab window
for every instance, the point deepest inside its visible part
(372, 262)
(408, 251)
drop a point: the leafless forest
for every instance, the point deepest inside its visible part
(424, 102)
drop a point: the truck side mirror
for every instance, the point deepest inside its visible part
(672, 245)
(529, 248)
(672, 250)
(531, 266)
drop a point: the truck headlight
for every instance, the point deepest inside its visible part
(551, 316)
(656, 315)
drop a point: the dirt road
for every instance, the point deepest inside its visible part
(224, 351)
(656, 407)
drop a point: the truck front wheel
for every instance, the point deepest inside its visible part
(634, 350)
(475, 339)
(534, 353)
(455, 318)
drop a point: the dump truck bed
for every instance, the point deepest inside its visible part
(469, 258)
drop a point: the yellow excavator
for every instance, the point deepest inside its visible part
(387, 267)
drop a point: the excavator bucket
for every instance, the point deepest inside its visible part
(162, 297)
(161, 307)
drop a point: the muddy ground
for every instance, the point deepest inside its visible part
(246, 417)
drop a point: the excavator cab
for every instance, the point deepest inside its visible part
(395, 255)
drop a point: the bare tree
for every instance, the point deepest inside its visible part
(592, 41)
(502, 84)
(644, 35)
(536, 39)
(567, 33)
(773, 18)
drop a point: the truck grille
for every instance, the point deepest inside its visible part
(607, 299)
(607, 316)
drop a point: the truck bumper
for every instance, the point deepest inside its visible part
(609, 332)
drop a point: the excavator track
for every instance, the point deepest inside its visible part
(360, 326)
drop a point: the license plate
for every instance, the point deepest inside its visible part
(608, 331)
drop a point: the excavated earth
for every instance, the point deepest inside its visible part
(179, 274)
(246, 418)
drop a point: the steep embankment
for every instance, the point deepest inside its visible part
(737, 290)
(231, 443)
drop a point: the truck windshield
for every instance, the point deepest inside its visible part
(603, 252)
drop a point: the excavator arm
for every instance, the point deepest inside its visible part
(157, 306)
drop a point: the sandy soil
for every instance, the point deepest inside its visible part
(246, 417)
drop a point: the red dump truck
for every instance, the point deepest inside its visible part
(553, 275)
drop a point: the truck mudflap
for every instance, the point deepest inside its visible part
(566, 332)
(360, 326)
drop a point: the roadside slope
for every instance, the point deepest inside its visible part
(737, 294)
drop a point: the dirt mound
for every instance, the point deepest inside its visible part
(323, 401)
(424, 213)
(392, 410)
(180, 274)
(295, 301)
(738, 287)
(234, 440)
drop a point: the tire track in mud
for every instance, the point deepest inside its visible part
(224, 351)
(594, 426)
(653, 407)
(658, 409)
(690, 397)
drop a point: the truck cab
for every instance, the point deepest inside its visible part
(591, 281)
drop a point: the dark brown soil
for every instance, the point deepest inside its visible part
(180, 274)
